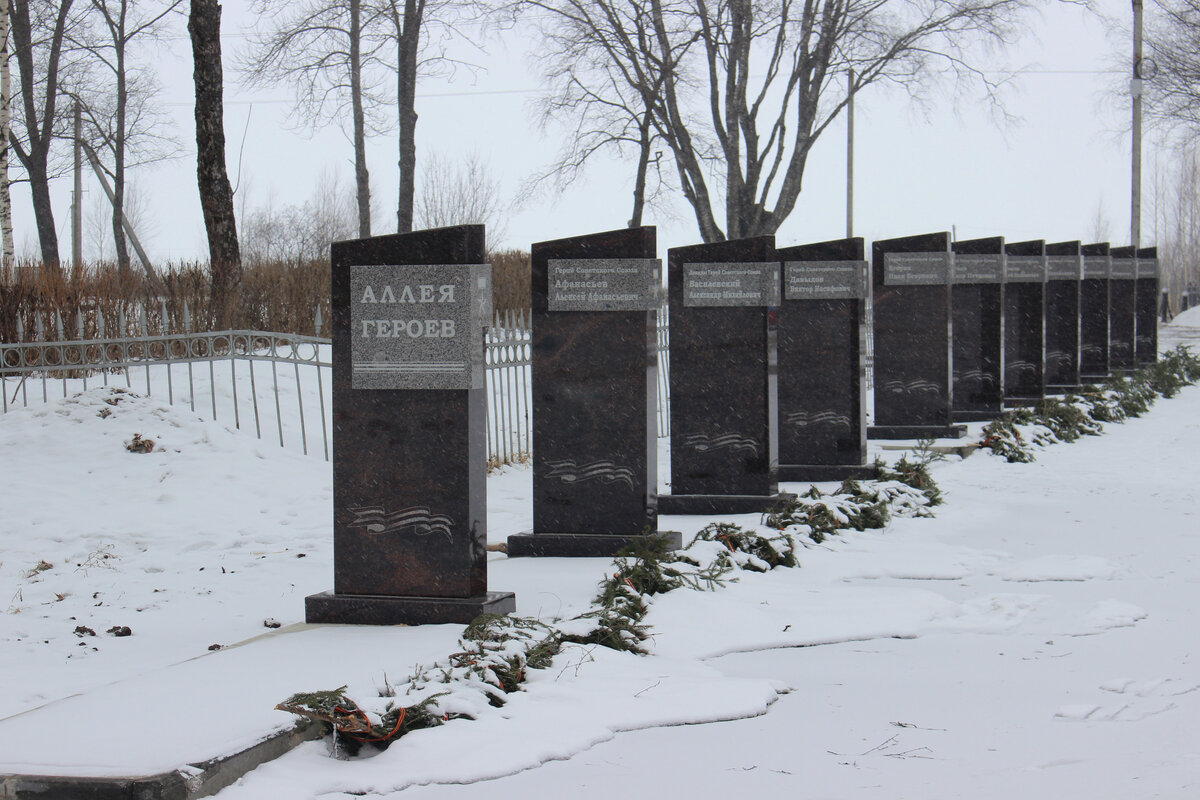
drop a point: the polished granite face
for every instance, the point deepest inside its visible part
(1024, 320)
(1122, 309)
(821, 339)
(723, 436)
(978, 297)
(912, 332)
(1064, 271)
(1093, 313)
(1148, 298)
(594, 402)
(409, 493)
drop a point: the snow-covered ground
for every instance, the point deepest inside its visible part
(1036, 637)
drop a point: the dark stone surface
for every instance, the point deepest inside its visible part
(1024, 331)
(1062, 324)
(978, 338)
(724, 441)
(1122, 310)
(913, 360)
(1093, 314)
(581, 544)
(409, 466)
(595, 457)
(822, 373)
(1146, 327)
(391, 610)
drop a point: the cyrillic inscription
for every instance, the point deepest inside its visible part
(1025, 269)
(1064, 268)
(604, 284)
(824, 280)
(1147, 267)
(978, 268)
(916, 269)
(1097, 266)
(733, 284)
(1123, 269)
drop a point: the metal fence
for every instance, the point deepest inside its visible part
(215, 373)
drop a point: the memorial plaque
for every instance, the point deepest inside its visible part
(822, 362)
(916, 269)
(724, 439)
(978, 308)
(825, 280)
(973, 268)
(409, 464)
(1064, 270)
(415, 327)
(1146, 330)
(720, 285)
(1122, 309)
(595, 368)
(608, 284)
(1024, 322)
(1094, 314)
(912, 321)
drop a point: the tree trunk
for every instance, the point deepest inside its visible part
(7, 251)
(639, 186)
(362, 178)
(408, 37)
(118, 203)
(216, 195)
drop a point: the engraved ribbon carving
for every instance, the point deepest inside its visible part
(702, 442)
(803, 419)
(913, 387)
(416, 519)
(568, 470)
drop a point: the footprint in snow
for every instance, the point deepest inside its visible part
(1138, 700)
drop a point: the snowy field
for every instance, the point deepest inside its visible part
(1035, 638)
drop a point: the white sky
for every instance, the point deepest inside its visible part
(916, 170)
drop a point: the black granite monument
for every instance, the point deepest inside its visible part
(1093, 313)
(1024, 322)
(978, 308)
(822, 362)
(595, 367)
(1122, 309)
(409, 444)
(1064, 270)
(724, 394)
(911, 308)
(1146, 331)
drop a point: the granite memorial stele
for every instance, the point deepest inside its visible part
(912, 321)
(409, 444)
(1122, 309)
(978, 303)
(723, 383)
(1064, 271)
(1146, 332)
(1024, 322)
(822, 362)
(1093, 313)
(595, 362)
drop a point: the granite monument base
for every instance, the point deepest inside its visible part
(916, 431)
(1021, 402)
(815, 473)
(692, 504)
(583, 545)
(372, 609)
(974, 416)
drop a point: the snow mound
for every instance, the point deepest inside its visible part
(1060, 568)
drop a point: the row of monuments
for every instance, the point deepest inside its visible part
(767, 383)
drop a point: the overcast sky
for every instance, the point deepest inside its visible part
(947, 165)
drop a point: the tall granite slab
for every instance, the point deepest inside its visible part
(1093, 313)
(822, 362)
(724, 393)
(911, 308)
(1024, 322)
(595, 368)
(1146, 327)
(409, 442)
(1122, 309)
(1064, 271)
(978, 309)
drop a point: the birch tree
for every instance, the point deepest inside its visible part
(7, 250)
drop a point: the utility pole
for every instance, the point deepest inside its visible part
(77, 195)
(1135, 91)
(850, 157)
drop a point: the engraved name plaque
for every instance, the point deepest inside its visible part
(825, 280)
(418, 327)
(1064, 268)
(1123, 269)
(604, 284)
(916, 269)
(1147, 267)
(978, 268)
(731, 284)
(1097, 267)
(1025, 269)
